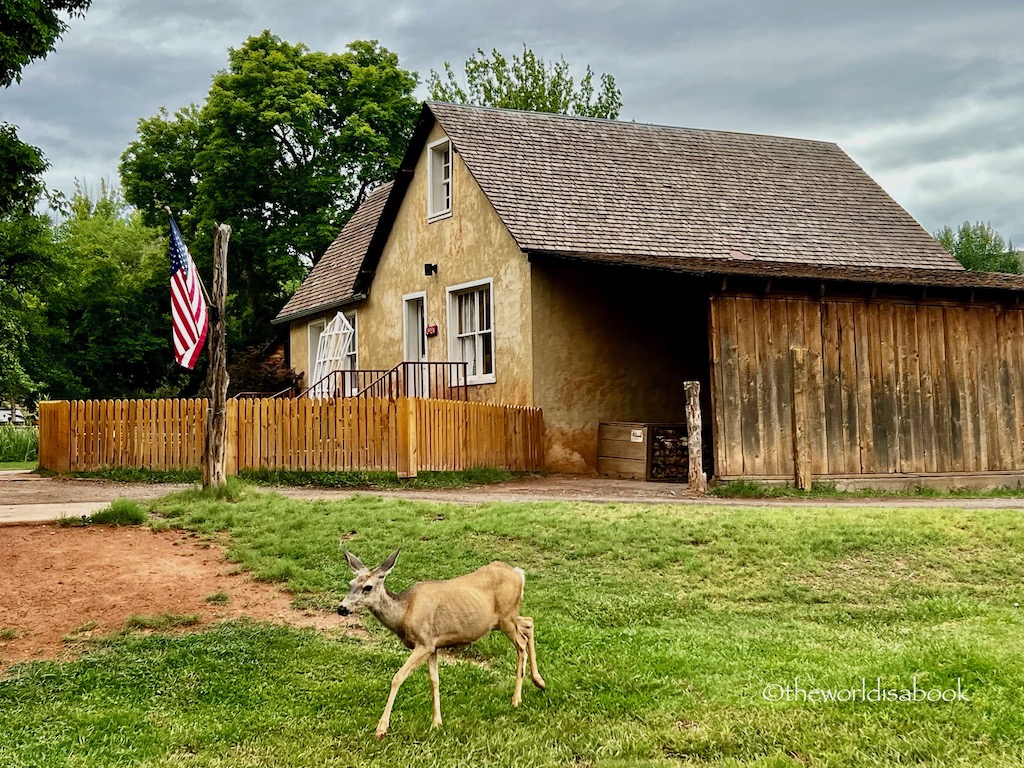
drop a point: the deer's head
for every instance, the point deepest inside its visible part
(366, 590)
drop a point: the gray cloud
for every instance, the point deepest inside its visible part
(925, 94)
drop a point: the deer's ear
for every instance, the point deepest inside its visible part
(389, 562)
(354, 562)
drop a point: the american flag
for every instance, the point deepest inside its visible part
(188, 309)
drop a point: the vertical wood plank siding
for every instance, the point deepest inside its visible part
(892, 387)
(336, 435)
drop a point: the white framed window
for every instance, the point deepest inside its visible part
(471, 329)
(439, 180)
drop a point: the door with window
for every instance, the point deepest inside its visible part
(415, 311)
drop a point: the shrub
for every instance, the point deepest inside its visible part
(19, 443)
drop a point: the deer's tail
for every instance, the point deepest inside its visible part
(522, 589)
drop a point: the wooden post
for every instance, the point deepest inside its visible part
(801, 448)
(231, 445)
(215, 449)
(55, 436)
(697, 479)
(407, 450)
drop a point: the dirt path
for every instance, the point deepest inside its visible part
(61, 585)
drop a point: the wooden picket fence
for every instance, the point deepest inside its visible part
(304, 434)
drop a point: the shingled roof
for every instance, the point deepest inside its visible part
(331, 283)
(674, 199)
(583, 186)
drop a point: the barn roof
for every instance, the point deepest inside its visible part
(331, 282)
(586, 186)
(675, 199)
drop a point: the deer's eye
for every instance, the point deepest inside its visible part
(368, 587)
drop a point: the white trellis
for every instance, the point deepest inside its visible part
(332, 354)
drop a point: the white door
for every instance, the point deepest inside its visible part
(416, 383)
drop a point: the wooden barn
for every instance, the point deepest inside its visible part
(590, 267)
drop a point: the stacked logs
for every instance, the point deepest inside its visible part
(669, 453)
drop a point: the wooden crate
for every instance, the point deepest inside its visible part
(626, 449)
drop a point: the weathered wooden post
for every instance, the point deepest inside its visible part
(215, 448)
(408, 454)
(696, 478)
(801, 450)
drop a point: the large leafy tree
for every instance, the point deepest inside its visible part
(29, 30)
(102, 326)
(979, 247)
(526, 82)
(284, 149)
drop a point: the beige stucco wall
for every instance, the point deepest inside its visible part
(471, 245)
(611, 344)
(585, 343)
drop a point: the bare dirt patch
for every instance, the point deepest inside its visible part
(62, 584)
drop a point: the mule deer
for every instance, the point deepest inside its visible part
(444, 614)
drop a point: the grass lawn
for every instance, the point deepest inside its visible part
(18, 465)
(662, 632)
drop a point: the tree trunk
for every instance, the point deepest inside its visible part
(696, 478)
(215, 449)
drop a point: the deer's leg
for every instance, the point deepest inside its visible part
(435, 689)
(417, 657)
(514, 633)
(525, 624)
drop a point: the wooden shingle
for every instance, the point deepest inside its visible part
(586, 186)
(331, 282)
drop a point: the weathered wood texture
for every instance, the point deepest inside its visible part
(330, 435)
(696, 478)
(643, 451)
(889, 386)
(215, 449)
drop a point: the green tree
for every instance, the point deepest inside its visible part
(29, 30)
(526, 83)
(979, 247)
(103, 326)
(284, 149)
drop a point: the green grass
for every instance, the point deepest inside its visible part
(749, 489)
(658, 631)
(121, 512)
(353, 480)
(118, 512)
(19, 444)
(18, 465)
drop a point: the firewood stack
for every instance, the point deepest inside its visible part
(669, 453)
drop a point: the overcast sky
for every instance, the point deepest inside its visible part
(926, 95)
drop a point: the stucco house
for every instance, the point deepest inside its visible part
(589, 267)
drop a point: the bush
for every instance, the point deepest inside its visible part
(19, 443)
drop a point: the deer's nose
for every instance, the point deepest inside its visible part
(343, 611)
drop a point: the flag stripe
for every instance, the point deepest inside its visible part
(189, 320)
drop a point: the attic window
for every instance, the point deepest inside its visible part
(439, 176)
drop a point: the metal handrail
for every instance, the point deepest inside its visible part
(445, 381)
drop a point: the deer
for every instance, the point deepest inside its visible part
(452, 613)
